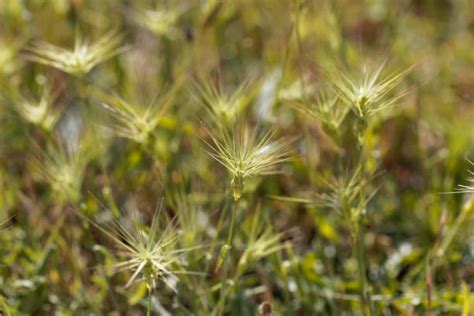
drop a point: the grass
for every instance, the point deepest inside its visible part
(309, 158)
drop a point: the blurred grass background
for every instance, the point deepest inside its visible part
(52, 261)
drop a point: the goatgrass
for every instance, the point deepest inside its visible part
(287, 185)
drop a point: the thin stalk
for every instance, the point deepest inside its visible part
(148, 309)
(359, 237)
(224, 291)
(359, 249)
(230, 236)
(467, 209)
(299, 43)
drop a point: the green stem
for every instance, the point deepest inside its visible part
(224, 291)
(359, 248)
(230, 236)
(468, 207)
(148, 310)
(299, 43)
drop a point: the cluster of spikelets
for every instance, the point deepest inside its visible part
(371, 92)
(246, 153)
(467, 188)
(135, 121)
(151, 254)
(161, 22)
(80, 60)
(39, 111)
(224, 108)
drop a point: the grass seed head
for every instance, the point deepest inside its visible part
(135, 121)
(39, 111)
(348, 193)
(467, 188)
(150, 254)
(329, 110)
(246, 153)
(262, 242)
(82, 58)
(161, 22)
(63, 169)
(224, 108)
(371, 92)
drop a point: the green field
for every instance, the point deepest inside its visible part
(237, 157)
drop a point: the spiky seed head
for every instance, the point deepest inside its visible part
(82, 58)
(150, 254)
(224, 107)
(371, 92)
(135, 121)
(328, 110)
(63, 169)
(247, 153)
(161, 22)
(41, 112)
(262, 242)
(348, 193)
(193, 221)
(467, 188)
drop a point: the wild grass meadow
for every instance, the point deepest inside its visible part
(237, 157)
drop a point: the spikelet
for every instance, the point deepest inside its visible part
(245, 154)
(135, 121)
(63, 170)
(262, 241)
(150, 254)
(224, 108)
(81, 59)
(39, 111)
(467, 188)
(349, 190)
(371, 92)
(161, 22)
(329, 110)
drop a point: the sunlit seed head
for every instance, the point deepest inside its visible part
(325, 108)
(136, 121)
(41, 112)
(161, 22)
(371, 92)
(81, 59)
(467, 188)
(261, 242)
(224, 107)
(150, 254)
(347, 193)
(63, 170)
(246, 153)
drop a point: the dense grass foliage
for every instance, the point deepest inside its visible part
(239, 157)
